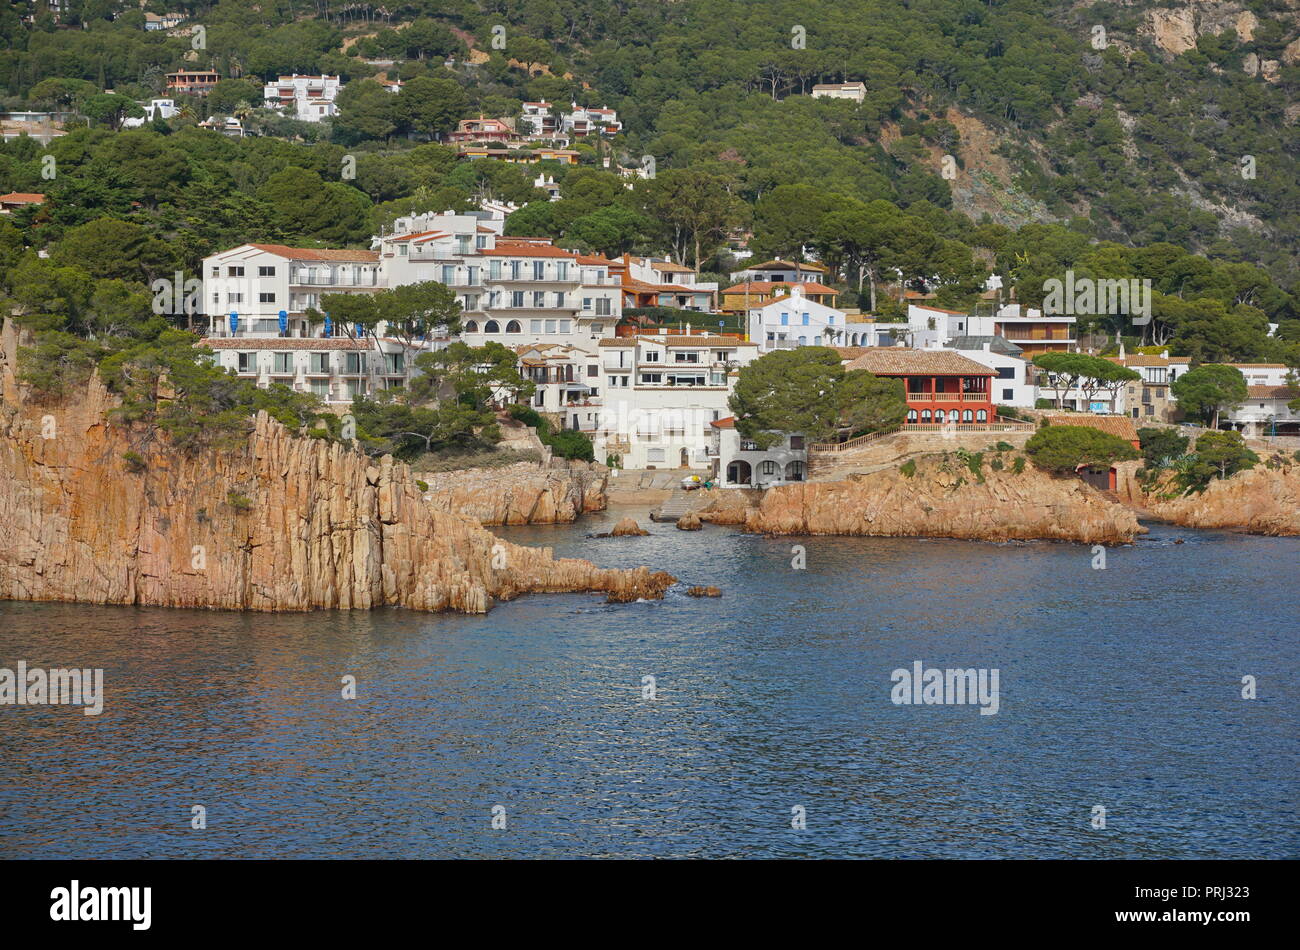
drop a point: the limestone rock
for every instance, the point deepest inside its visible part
(689, 522)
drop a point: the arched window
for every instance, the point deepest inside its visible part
(471, 326)
(925, 415)
(514, 327)
(911, 416)
(794, 471)
(982, 416)
(966, 416)
(767, 468)
(491, 327)
(938, 415)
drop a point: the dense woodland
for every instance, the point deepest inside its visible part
(1126, 160)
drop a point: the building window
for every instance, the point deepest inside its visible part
(266, 272)
(911, 416)
(539, 270)
(550, 326)
(491, 327)
(282, 363)
(939, 415)
(516, 298)
(796, 443)
(785, 319)
(266, 298)
(234, 271)
(320, 364)
(514, 327)
(805, 319)
(534, 326)
(1006, 372)
(967, 416)
(925, 415)
(247, 362)
(593, 369)
(471, 326)
(767, 467)
(1008, 394)
(982, 416)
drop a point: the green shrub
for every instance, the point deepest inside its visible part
(422, 485)
(1004, 447)
(240, 503)
(1062, 449)
(134, 462)
(1018, 465)
(996, 463)
(908, 468)
(570, 444)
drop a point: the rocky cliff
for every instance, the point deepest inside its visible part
(1262, 500)
(104, 514)
(517, 494)
(943, 498)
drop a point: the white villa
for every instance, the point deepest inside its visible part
(306, 98)
(738, 463)
(660, 394)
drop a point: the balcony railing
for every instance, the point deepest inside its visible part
(949, 397)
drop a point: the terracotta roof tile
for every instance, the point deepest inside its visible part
(900, 360)
(1121, 426)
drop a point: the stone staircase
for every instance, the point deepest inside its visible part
(677, 505)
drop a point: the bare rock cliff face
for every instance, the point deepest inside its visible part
(946, 500)
(1261, 501)
(517, 494)
(279, 523)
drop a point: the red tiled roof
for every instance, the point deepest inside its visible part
(767, 286)
(1121, 426)
(527, 250)
(1271, 392)
(957, 313)
(317, 253)
(900, 360)
(22, 197)
(727, 423)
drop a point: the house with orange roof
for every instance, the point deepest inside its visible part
(743, 297)
(19, 199)
(499, 131)
(940, 386)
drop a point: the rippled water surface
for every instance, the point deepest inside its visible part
(1119, 687)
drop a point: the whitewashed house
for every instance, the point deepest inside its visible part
(660, 393)
(739, 463)
(306, 98)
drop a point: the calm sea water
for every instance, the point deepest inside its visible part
(1119, 687)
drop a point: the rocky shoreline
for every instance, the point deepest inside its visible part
(941, 498)
(99, 513)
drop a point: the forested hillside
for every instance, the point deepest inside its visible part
(1008, 135)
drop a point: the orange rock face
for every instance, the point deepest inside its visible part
(946, 500)
(517, 494)
(280, 523)
(1261, 500)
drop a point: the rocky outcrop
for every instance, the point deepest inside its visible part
(1262, 500)
(703, 591)
(518, 494)
(946, 499)
(628, 528)
(106, 514)
(689, 522)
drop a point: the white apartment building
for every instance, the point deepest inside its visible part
(255, 297)
(306, 98)
(514, 291)
(583, 121)
(739, 463)
(568, 383)
(795, 320)
(1012, 386)
(660, 394)
(853, 91)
